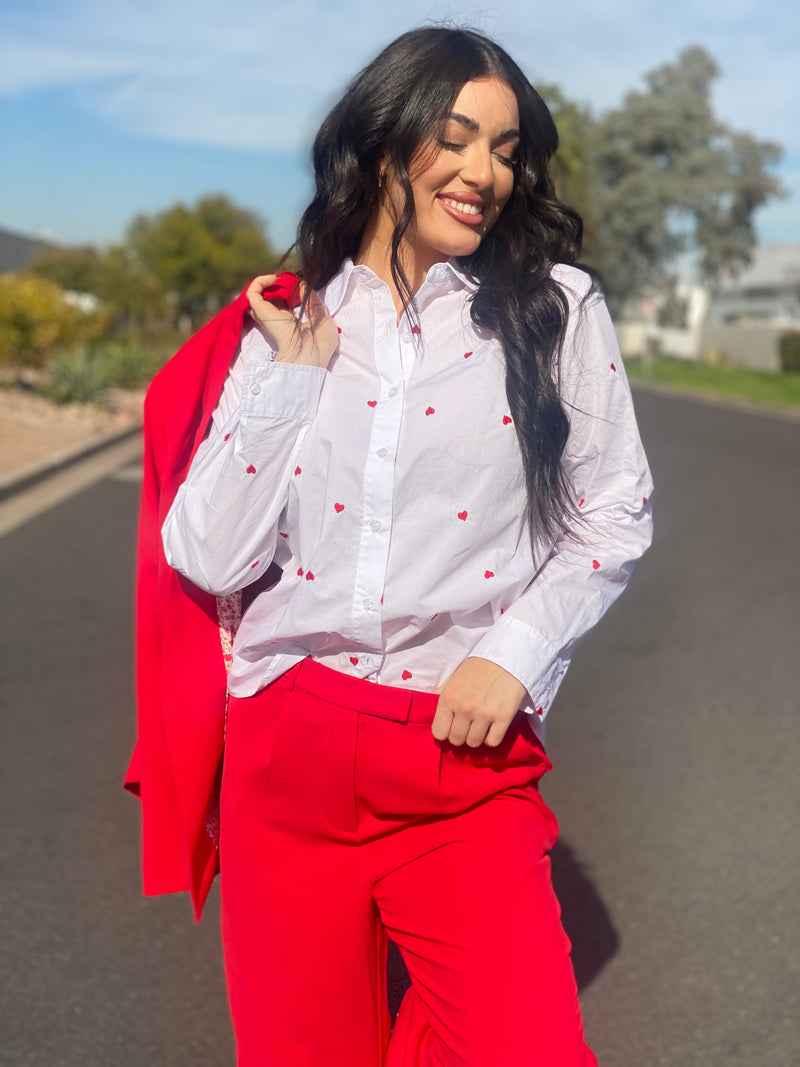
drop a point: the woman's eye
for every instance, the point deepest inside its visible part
(507, 161)
(451, 146)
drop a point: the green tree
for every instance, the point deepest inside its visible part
(668, 176)
(202, 255)
(114, 275)
(571, 166)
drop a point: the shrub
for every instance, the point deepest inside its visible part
(35, 320)
(75, 376)
(82, 374)
(789, 352)
(128, 366)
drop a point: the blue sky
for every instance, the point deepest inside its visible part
(111, 108)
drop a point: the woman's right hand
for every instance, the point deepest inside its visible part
(312, 343)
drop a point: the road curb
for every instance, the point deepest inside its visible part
(718, 400)
(38, 472)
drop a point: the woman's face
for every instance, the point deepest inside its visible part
(462, 182)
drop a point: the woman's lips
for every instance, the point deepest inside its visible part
(470, 213)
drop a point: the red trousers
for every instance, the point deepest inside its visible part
(343, 821)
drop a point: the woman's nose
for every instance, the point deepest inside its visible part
(477, 169)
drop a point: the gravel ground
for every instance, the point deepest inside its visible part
(34, 430)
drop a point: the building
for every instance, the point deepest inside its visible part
(767, 291)
(17, 251)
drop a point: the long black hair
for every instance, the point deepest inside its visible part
(398, 104)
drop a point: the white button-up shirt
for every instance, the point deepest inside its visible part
(389, 488)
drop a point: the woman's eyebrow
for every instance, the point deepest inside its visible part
(474, 127)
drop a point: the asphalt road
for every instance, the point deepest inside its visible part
(676, 750)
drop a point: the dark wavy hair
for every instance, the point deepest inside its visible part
(397, 105)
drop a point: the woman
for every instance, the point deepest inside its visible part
(438, 450)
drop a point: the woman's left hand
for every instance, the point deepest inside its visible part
(476, 704)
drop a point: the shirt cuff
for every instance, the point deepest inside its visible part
(527, 655)
(281, 390)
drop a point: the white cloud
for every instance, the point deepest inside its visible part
(261, 77)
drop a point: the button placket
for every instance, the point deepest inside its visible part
(379, 477)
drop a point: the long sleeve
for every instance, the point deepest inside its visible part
(607, 470)
(221, 530)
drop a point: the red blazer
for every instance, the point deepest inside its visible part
(181, 676)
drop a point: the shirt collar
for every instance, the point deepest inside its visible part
(447, 275)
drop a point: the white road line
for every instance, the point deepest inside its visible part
(26, 505)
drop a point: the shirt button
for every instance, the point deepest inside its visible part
(255, 389)
(374, 525)
(383, 452)
(368, 604)
(393, 391)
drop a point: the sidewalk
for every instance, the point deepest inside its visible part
(39, 437)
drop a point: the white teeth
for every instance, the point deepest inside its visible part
(465, 209)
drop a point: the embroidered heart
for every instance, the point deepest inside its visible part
(300, 572)
(430, 411)
(595, 564)
(463, 515)
(227, 437)
(506, 420)
(339, 328)
(488, 574)
(467, 355)
(286, 536)
(371, 403)
(354, 660)
(644, 499)
(338, 507)
(581, 502)
(613, 367)
(415, 329)
(252, 565)
(251, 469)
(540, 711)
(406, 675)
(309, 576)
(298, 470)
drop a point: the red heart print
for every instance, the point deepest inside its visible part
(463, 515)
(581, 502)
(339, 508)
(644, 499)
(406, 675)
(430, 411)
(371, 403)
(252, 565)
(488, 574)
(285, 536)
(251, 469)
(540, 711)
(613, 367)
(227, 437)
(415, 329)
(298, 470)
(299, 572)
(595, 564)
(467, 355)
(309, 576)
(354, 660)
(506, 420)
(339, 328)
